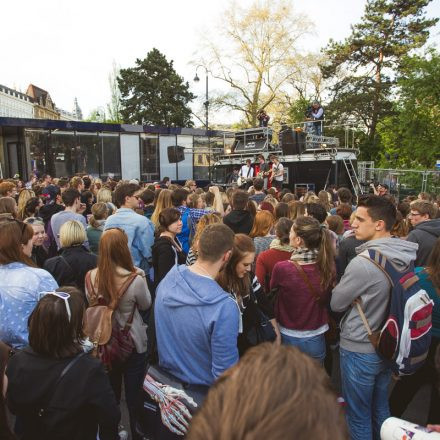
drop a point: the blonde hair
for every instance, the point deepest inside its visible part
(295, 209)
(272, 200)
(207, 219)
(104, 195)
(99, 212)
(23, 197)
(163, 201)
(72, 233)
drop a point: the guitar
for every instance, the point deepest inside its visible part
(276, 172)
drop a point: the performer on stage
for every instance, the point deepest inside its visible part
(264, 171)
(263, 118)
(246, 174)
(277, 176)
(317, 115)
(233, 177)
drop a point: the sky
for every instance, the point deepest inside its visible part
(68, 47)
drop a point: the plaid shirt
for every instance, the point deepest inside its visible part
(194, 214)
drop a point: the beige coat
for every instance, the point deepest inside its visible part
(137, 293)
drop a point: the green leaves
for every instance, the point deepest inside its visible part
(153, 93)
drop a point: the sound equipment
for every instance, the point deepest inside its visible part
(292, 142)
(175, 154)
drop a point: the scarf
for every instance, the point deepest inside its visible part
(304, 255)
(281, 247)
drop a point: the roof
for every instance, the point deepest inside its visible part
(40, 96)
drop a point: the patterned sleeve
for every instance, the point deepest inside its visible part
(47, 282)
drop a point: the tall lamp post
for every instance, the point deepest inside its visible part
(206, 104)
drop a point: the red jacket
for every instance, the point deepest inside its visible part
(296, 307)
(266, 260)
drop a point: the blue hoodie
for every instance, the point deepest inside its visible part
(196, 327)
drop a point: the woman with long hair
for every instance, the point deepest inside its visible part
(207, 219)
(303, 284)
(279, 250)
(96, 225)
(406, 388)
(23, 197)
(105, 195)
(8, 208)
(32, 207)
(163, 201)
(296, 209)
(21, 282)
(70, 267)
(115, 268)
(325, 200)
(237, 279)
(167, 250)
(56, 389)
(262, 231)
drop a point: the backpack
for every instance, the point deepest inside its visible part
(404, 339)
(112, 345)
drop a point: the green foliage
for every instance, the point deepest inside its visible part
(414, 131)
(363, 67)
(153, 93)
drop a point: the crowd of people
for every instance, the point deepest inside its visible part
(224, 309)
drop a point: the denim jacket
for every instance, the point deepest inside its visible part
(19, 293)
(140, 233)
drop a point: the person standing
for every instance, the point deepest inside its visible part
(73, 211)
(139, 230)
(277, 176)
(246, 173)
(426, 229)
(317, 115)
(264, 170)
(365, 376)
(263, 118)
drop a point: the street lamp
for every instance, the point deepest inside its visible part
(206, 103)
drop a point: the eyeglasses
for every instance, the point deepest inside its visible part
(62, 295)
(414, 214)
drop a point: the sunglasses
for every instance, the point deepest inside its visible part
(32, 220)
(62, 295)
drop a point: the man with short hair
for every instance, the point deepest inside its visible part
(365, 376)
(277, 173)
(426, 229)
(8, 189)
(344, 196)
(139, 229)
(264, 170)
(239, 219)
(53, 204)
(246, 173)
(259, 194)
(196, 321)
(73, 211)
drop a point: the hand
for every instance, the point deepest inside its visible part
(82, 208)
(435, 428)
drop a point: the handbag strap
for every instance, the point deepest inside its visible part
(307, 281)
(66, 369)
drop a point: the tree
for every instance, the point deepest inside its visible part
(413, 132)
(153, 93)
(258, 55)
(114, 106)
(364, 65)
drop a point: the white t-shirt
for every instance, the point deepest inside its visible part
(245, 170)
(278, 169)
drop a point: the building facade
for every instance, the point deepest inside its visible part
(14, 104)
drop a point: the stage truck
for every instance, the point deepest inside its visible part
(311, 162)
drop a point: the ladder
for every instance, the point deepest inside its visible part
(357, 188)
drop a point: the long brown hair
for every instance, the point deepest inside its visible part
(274, 392)
(14, 234)
(113, 253)
(227, 278)
(163, 201)
(433, 266)
(316, 236)
(207, 219)
(263, 223)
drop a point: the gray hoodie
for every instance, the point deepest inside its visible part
(362, 279)
(425, 234)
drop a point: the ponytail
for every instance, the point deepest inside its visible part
(326, 258)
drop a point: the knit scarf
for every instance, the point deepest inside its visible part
(276, 244)
(304, 255)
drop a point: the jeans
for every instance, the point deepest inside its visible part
(314, 346)
(365, 379)
(133, 371)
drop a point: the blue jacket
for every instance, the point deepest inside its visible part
(19, 293)
(196, 327)
(140, 233)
